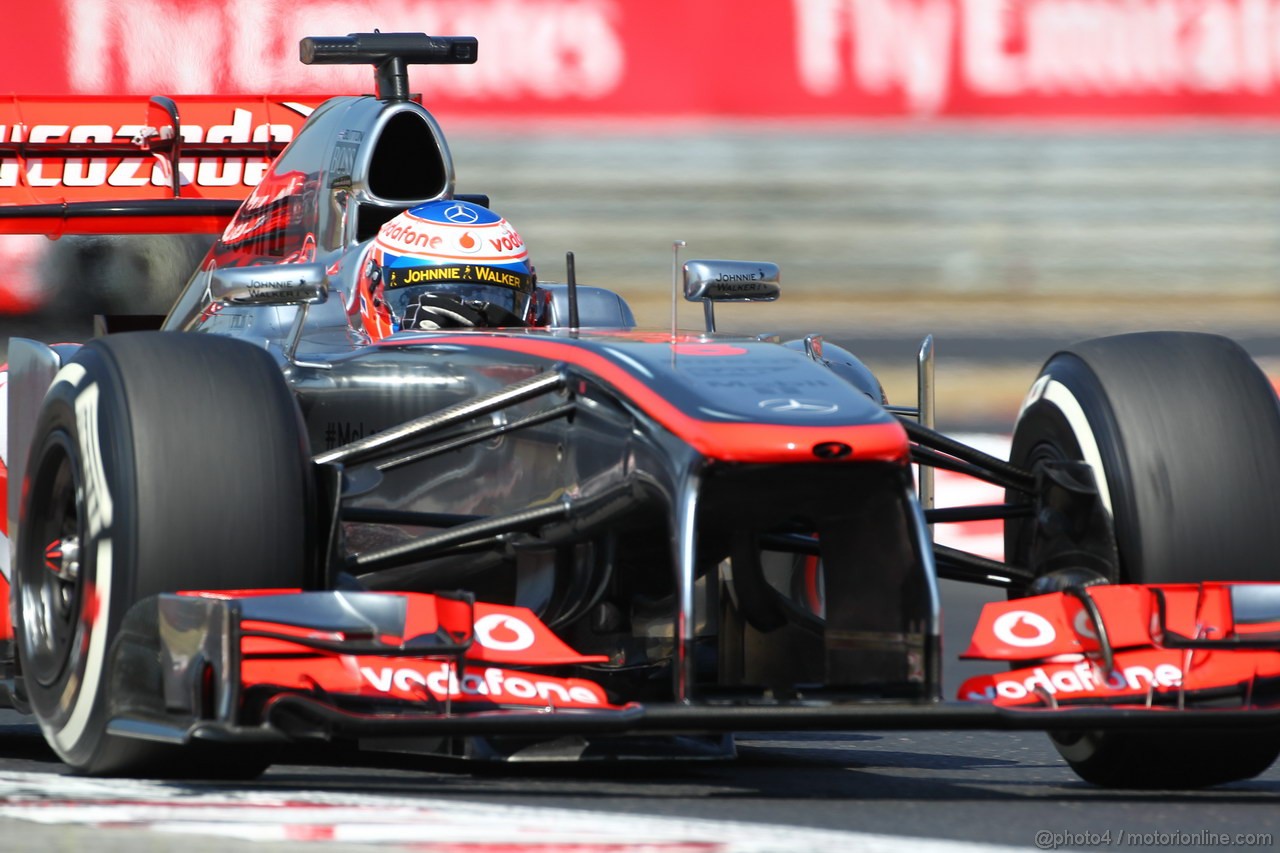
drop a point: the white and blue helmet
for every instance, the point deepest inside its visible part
(452, 263)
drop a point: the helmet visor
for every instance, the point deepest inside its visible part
(472, 284)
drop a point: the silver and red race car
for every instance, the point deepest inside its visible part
(563, 537)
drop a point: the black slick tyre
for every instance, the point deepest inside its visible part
(160, 462)
(1182, 431)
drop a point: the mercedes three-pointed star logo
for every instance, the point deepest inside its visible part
(459, 213)
(798, 406)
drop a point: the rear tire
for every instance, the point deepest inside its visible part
(1182, 431)
(161, 462)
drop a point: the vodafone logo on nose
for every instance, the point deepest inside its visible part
(1023, 629)
(503, 633)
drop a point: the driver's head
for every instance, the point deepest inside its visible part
(444, 265)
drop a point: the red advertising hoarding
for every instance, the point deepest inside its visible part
(644, 59)
(655, 63)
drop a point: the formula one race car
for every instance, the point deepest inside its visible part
(373, 484)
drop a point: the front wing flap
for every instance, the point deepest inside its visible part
(1170, 644)
(287, 665)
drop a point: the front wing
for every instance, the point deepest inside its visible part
(290, 665)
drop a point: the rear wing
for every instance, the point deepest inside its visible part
(137, 165)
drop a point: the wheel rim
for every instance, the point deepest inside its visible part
(50, 569)
(1048, 450)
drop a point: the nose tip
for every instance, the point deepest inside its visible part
(832, 450)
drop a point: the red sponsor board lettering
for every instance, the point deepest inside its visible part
(826, 58)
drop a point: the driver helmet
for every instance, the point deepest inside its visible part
(444, 265)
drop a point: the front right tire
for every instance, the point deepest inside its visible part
(1182, 432)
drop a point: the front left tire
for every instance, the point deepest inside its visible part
(161, 461)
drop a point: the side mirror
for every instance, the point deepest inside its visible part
(731, 281)
(710, 282)
(283, 284)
